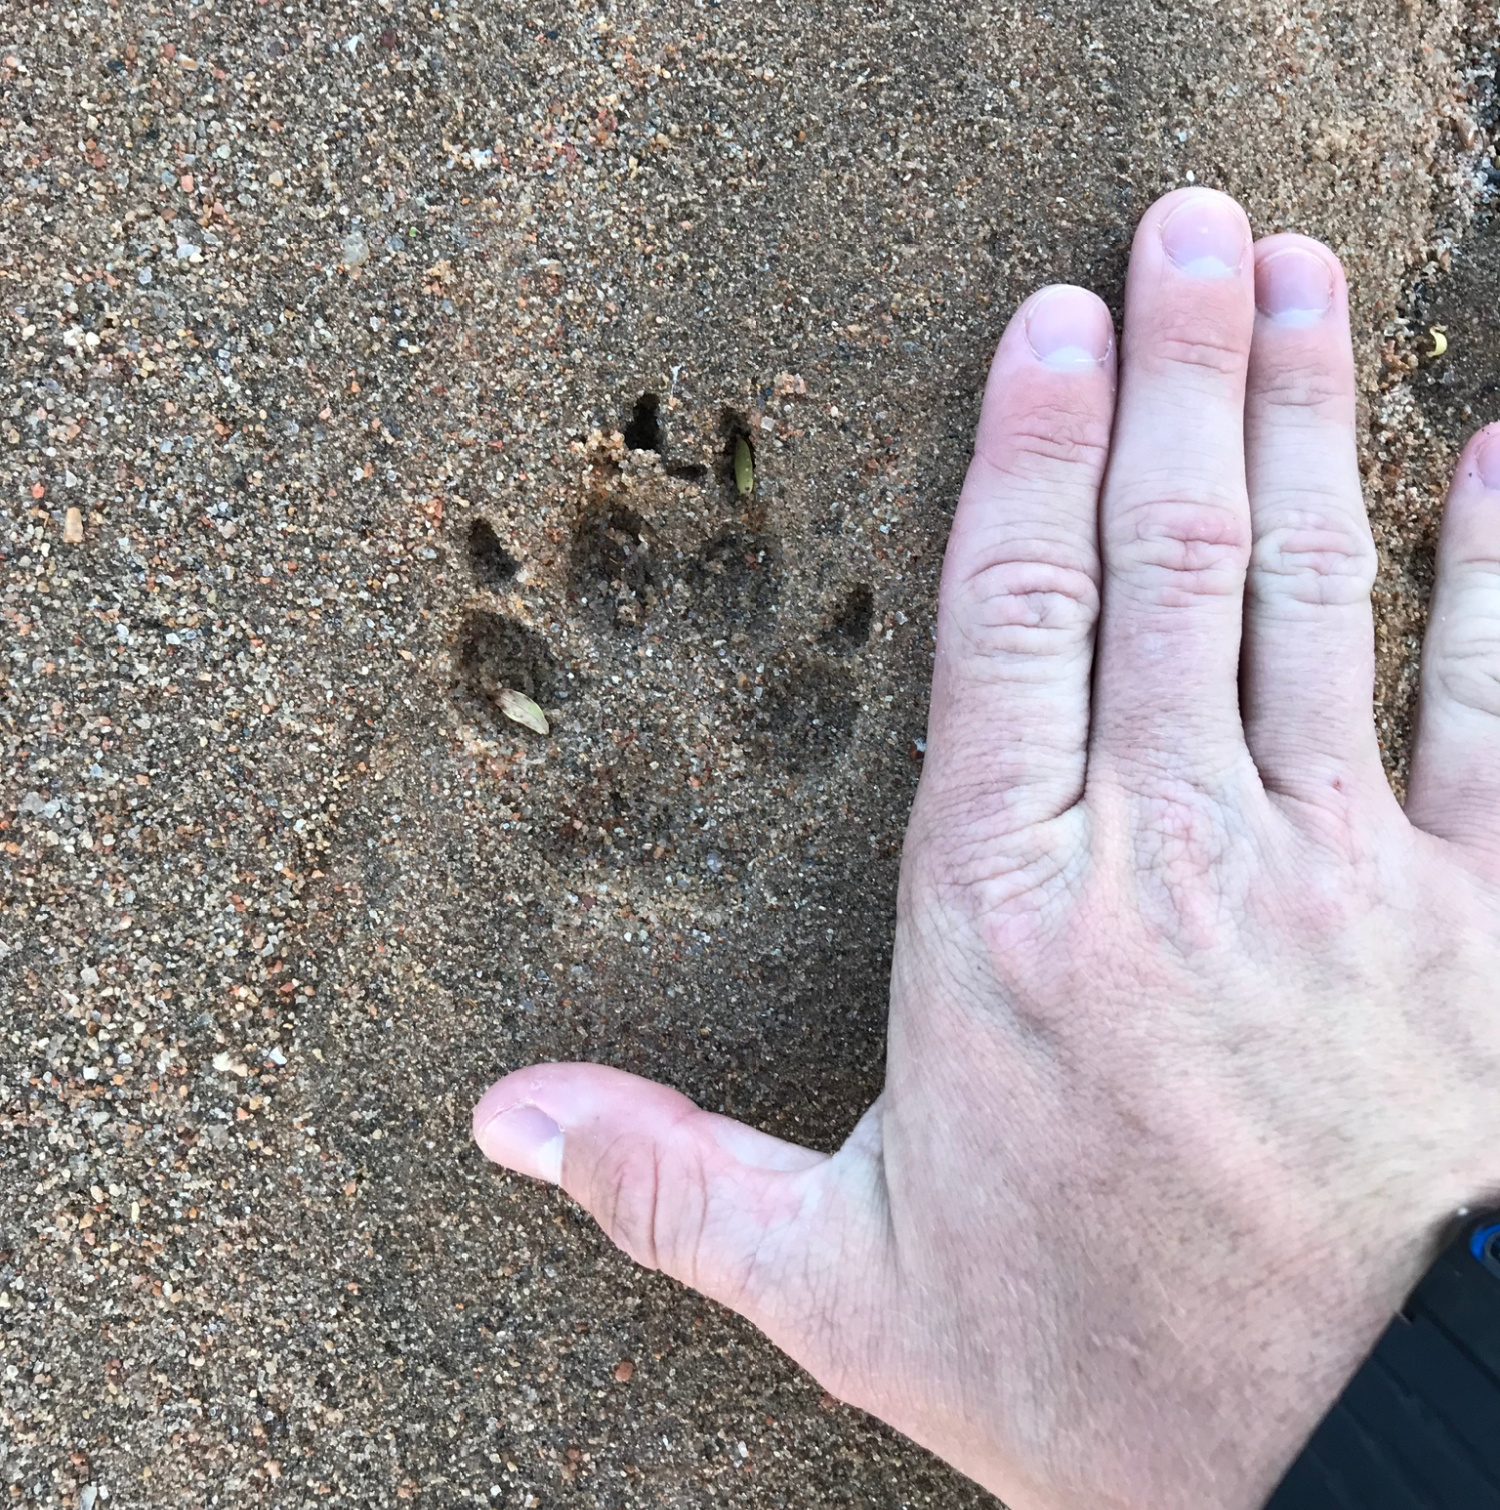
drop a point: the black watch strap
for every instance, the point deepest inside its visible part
(1418, 1427)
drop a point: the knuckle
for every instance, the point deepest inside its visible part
(1312, 386)
(1186, 546)
(627, 1199)
(1025, 607)
(1049, 438)
(1181, 833)
(1466, 658)
(1191, 343)
(1316, 560)
(1468, 674)
(964, 859)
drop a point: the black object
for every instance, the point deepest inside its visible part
(1418, 1427)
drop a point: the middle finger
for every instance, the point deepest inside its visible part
(1175, 516)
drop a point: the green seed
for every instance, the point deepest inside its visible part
(744, 466)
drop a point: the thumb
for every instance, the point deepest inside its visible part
(733, 1212)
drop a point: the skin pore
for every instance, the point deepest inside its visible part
(1193, 1043)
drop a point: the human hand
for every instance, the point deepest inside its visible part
(1193, 1032)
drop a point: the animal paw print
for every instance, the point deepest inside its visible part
(637, 559)
(806, 718)
(494, 654)
(612, 567)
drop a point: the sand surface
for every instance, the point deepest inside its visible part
(331, 322)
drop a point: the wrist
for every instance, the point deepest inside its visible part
(1415, 1423)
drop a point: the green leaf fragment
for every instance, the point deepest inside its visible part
(744, 467)
(520, 709)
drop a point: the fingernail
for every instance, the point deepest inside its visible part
(525, 1139)
(1069, 329)
(1294, 287)
(1487, 461)
(1205, 236)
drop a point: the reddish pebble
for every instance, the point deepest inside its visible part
(624, 1370)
